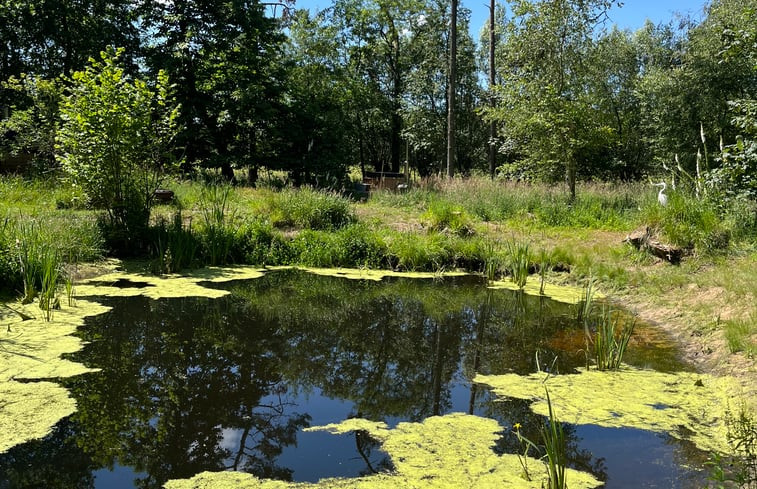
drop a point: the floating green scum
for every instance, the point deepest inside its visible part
(631, 397)
(451, 451)
(31, 349)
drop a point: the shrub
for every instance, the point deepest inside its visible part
(114, 139)
(261, 244)
(314, 248)
(361, 247)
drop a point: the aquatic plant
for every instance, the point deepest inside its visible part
(739, 468)
(175, 245)
(554, 444)
(427, 454)
(545, 261)
(28, 247)
(610, 339)
(492, 260)
(216, 230)
(519, 262)
(526, 445)
(50, 273)
(68, 282)
(586, 305)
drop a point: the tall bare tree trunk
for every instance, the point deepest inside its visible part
(452, 88)
(492, 81)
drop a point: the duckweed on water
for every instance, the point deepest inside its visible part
(443, 451)
(559, 293)
(32, 350)
(683, 404)
(29, 411)
(167, 286)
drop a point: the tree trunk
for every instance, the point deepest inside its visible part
(452, 88)
(570, 176)
(492, 81)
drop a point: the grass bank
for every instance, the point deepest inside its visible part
(502, 229)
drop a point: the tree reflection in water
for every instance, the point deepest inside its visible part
(189, 385)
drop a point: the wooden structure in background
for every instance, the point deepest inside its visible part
(384, 180)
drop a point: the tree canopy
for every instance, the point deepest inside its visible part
(366, 83)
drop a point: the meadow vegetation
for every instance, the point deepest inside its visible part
(497, 228)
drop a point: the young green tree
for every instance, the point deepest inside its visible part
(546, 110)
(115, 138)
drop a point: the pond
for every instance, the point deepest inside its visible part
(195, 384)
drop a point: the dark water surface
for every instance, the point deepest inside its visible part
(196, 384)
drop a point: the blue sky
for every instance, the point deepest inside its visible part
(631, 16)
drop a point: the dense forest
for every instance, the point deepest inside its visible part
(250, 85)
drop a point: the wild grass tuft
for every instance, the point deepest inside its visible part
(610, 338)
(175, 246)
(217, 226)
(741, 335)
(50, 268)
(556, 448)
(519, 259)
(310, 209)
(444, 216)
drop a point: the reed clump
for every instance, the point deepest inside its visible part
(519, 262)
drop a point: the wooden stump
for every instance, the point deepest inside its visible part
(643, 239)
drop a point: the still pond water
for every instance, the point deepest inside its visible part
(198, 384)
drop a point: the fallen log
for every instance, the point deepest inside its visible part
(644, 239)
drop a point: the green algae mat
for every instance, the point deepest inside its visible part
(324, 378)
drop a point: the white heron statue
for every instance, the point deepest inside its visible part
(661, 197)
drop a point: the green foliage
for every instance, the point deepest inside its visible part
(519, 262)
(29, 131)
(555, 445)
(736, 178)
(362, 247)
(262, 244)
(317, 249)
(311, 209)
(445, 216)
(217, 229)
(548, 114)
(610, 339)
(689, 222)
(226, 61)
(115, 138)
